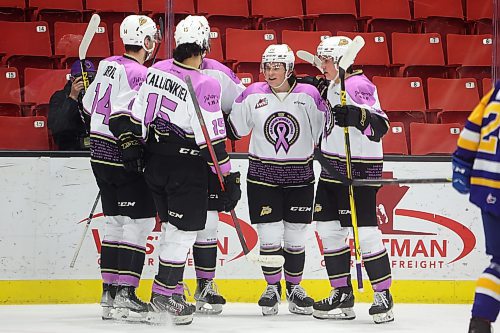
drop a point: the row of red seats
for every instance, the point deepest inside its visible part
(31, 133)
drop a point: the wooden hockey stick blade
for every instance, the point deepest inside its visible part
(310, 58)
(266, 261)
(394, 181)
(348, 58)
(94, 22)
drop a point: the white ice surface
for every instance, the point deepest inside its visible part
(235, 318)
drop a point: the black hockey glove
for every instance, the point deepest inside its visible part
(319, 82)
(233, 191)
(351, 116)
(132, 152)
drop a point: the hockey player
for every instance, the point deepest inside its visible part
(176, 170)
(476, 169)
(208, 300)
(116, 159)
(367, 124)
(286, 119)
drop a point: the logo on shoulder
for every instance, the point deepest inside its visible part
(490, 199)
(261, 103)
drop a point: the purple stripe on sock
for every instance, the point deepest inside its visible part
(340, 282)
(371, 255)
(270, 247)
(162, 290)
(205, 243)
(179, 289)
(273, 279)
(110, 242)
(336, 250)
(382, 285)
(110, 278)
(293, 279)
(172, 262)
(205, 275)
(143, 248)
(127, 280)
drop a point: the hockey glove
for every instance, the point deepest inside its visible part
(351, 116)
(233, 191)
(132, 152)
(461, 175)
(320, 83)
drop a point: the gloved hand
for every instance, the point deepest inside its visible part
(319, 82)
(461, 175)
(351, 116)
(233, 191)
(132, 152)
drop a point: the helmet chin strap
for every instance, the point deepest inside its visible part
(286, 79)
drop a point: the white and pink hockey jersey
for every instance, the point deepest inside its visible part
(285, 128)
(366, 155)
(111, 95)
(165, 111)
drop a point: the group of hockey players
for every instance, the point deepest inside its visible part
(150, 156)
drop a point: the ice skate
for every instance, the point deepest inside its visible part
(270, 299)
(208, 299)
(107, 298)
(298, 301)
(128, 306)
(339, 305)
(381, 309)
(479, 325)
(163, 309)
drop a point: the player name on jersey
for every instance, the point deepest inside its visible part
(161, 82)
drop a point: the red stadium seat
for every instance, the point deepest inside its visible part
(443, 16)
(282, 15)
(246, 78)
(68, 36)
(481, 13)
(402, 98)
(216, 45)
(332, 16)
(12, 10)
(10, 92)
(427, 139)
(225, 14)
(181, 9)
(455, 97)
(57, 10)
(394, 141)
(373, 58)
(24, 133)
(241, 146)
(392, 16)
(304, 40)
(39, 86)
(420, 54)
(26, 44)
(487, 86)
(248, 58)
(112, 11)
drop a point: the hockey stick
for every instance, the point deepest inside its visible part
(310, 58)
(94, 22)
(345, 62)
(263, 260)
(89, 219)
(162, 32)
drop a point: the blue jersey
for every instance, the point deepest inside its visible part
(479, 144)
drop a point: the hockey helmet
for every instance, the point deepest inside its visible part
(333, 47)
(193, 29)
(135, 28)
(280, 53)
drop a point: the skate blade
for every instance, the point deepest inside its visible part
(107, 313)
(129, 316)
(165, 318)
(270, 310)
(204, 308)
(335, 314)
(295, 309)
(381, 318)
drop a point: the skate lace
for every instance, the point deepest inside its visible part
(298, 291)
(177, 305)
(210, 289)
(380, 299)
(330, 298)
(271, 291)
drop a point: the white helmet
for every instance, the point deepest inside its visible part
(333, 47)
(193, 29)
(135, 28)
(279, 53)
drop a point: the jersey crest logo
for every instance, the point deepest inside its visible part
(281, 130)
(261, 103)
